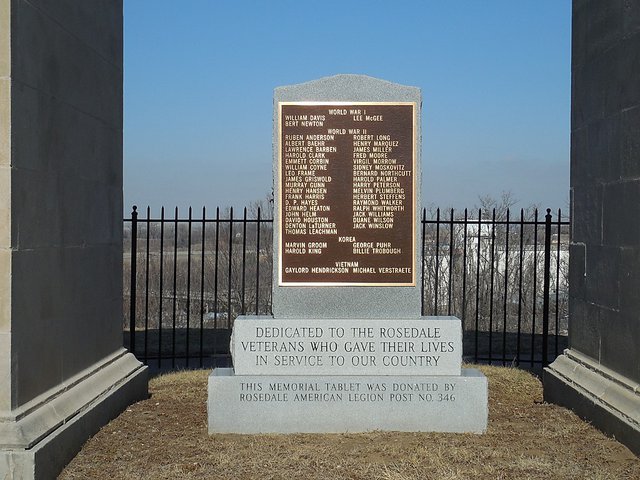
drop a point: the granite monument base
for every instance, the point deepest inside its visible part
(598, 394)
(337, 404)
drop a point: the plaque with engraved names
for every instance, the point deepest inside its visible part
(346, 193)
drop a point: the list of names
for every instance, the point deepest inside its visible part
(346, 194)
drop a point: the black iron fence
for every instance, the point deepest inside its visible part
(186, 278)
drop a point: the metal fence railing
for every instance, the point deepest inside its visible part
(506, 278)
(191, 276)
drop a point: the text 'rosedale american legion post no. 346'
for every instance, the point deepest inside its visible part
(347, 348)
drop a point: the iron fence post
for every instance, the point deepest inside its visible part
(132, 287)
(424, 227)
(545, 297)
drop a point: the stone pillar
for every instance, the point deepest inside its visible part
(599, 375)
(63, 371)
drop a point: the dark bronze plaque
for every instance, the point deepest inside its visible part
(346, 190)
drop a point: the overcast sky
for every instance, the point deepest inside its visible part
(200, 74)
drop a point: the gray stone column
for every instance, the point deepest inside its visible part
(599, 375)
(63, 371)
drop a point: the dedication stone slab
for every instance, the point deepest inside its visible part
(347, 348)
(266, 346)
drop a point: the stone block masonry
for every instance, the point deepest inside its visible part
(599, 375)
(63, 371)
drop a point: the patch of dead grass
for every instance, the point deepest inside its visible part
(165, 437)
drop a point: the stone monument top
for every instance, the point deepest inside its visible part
(346, 180)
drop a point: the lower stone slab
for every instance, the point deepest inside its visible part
(337, 404)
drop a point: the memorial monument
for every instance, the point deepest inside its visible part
(347, 348)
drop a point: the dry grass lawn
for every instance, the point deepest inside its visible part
(165, 437)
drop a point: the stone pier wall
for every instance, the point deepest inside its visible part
(60, 218)
(599, 375)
